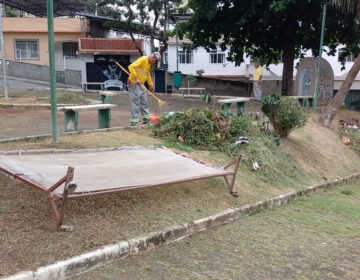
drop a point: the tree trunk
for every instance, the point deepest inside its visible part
(288, 72)
(338, 100)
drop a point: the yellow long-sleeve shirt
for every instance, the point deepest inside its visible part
(141, 69)
(257, 73)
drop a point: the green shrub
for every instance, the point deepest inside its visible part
(201, 128)
(284, 114)
(206, 97)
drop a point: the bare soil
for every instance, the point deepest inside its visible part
(20, 122)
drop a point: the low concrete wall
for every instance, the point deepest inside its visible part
(27, 70)
(228, 87)
(38, 72)
(72, 77)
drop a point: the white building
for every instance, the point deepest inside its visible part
(214, 63)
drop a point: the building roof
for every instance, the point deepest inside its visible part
(38, 7)
(109, 46)
(39, 25)
(118, 25)
(172, 41)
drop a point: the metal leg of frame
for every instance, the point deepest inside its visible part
(58, 203)
(236, 162)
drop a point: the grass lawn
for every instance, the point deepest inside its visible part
(315, 237)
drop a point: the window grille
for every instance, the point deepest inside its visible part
(186, 57)
(348, 58)
(27, 49)
(217, 57)
(70, 49)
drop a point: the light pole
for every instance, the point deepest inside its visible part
(177, 48)
(318, 70)
(50, 20)
(178, 18)
(3, 53)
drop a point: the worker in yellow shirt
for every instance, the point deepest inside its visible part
(139, 74)
(257, 78)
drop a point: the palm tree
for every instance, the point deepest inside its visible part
(352, 6)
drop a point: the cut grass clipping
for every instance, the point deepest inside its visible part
(203, 129)
(71, 98)
(207, 129)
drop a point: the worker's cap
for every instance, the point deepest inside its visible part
(157, 56)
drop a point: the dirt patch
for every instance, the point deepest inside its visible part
(19, 122)
(319, 150)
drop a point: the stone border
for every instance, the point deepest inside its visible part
(86, 262)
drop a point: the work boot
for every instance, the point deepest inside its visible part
(146, 121)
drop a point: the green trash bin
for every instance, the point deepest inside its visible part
(177, 79)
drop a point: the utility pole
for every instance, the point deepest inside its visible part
(50, 20)
(3, 53)
(177, 47)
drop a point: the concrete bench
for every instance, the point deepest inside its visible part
(85, 85)
(304, 100)
(226, 105)
(182, 90)
(71, 114)
(106, 96)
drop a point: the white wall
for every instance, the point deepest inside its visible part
(59, 63)
(201, 61)
(333, 60)
(79, 64)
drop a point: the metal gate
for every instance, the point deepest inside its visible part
(160, 81)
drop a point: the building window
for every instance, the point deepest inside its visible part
(27, 49)
(217, 57)
(165, 58)
(348, 58)
(70, 49)
(186, 57)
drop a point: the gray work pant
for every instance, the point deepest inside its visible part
(257, 91)
(139, 106)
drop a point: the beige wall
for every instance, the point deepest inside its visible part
(43, 45)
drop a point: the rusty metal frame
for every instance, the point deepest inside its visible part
(57, 201)
(235, 162)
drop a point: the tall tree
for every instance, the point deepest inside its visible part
(266, 29)
(141, 16)
(353, 7)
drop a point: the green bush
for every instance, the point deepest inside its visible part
(284, 114)
(201, 128)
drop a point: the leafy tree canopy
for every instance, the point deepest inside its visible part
(151, 16)
(267, 28)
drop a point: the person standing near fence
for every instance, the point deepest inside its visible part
(139, 74)
(257, 78)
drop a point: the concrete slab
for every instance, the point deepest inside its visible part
(127, 167)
